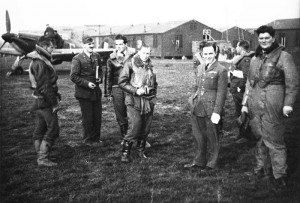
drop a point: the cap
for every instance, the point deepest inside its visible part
(87, 39)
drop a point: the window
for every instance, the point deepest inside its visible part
(178, 41)
(155, 42)
(206, 34)
(282, 39)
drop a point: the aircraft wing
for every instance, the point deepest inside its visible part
(68, 54)
(10, 51)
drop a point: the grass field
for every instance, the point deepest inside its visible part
(88, 174)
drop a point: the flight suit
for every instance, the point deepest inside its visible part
(83, 71)
(208, 99)
(137, 74)
(273, 83)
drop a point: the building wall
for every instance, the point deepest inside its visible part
(235, 34)
(178, 41)
(291, 40)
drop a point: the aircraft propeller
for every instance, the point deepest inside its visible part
(7, 22)
(8, 28)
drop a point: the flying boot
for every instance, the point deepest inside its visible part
(43, 157)
(126, 151)
(140, 146)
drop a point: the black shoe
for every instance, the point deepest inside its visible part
(98, 143)
(88, 143)
(193, 166)
(280, 182)
(259, 173)
(207, 169)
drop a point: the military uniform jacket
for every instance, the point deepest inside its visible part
(211, 90)
(83, 71)
(114, 66)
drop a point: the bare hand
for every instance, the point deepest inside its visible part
(140, 91)
(244, 109)
(9, 73)
(92, 85)
(287, 110)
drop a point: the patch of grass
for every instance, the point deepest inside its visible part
(96, 174)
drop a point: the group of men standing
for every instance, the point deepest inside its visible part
(264, 84)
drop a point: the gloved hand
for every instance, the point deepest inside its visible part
(287, 110)
(215, 118)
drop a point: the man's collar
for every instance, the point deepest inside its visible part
(87, 53)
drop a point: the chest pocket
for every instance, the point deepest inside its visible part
(211, 80)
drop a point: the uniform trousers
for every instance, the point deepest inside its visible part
(91, 119)
(207, 141)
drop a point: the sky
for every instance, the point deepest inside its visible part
(35, 14)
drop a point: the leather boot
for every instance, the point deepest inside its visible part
(124, 129)
(37, 145)
(43, 157)
(126, 151)
(140, 146)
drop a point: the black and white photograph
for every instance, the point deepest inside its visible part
(155, 101)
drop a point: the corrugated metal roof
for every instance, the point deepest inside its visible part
(142, 28)
(293, 23)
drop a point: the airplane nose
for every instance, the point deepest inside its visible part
(8, 37)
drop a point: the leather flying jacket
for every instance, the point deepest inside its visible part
(114, 67)
(136, 74)
(267, 69)
(44, 79)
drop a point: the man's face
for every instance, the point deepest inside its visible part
(265, 40)
(120, 46)
(88, 47)
(49, 48)
(208, 54)
(144, 53)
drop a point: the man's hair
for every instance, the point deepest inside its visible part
(244, 44)
(201, 45)
(264, 29)
(45, 42)
(121, 37)
(145, 46)
(212, 44)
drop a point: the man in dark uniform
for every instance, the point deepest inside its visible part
(271, 90)
(86, 73)
(46, 97)
(112, 90)
(238, 77)
(139, 82)
(206, 106)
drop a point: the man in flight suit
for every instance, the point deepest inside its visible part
(271, 90)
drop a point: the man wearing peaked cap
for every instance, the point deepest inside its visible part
(86, 73)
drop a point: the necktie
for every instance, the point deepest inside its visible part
(206, 66)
